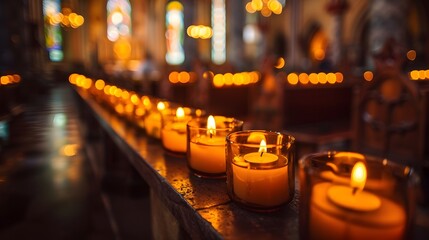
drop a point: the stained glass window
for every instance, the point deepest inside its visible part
(118, 19)
(174, 33)
(219, 31)
(53, 37)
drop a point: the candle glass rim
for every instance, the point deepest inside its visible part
(189, 111)
(401, 170)
(290, 139)
(198, 121)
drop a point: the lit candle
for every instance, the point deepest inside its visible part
(152, 122)
(173, 133)
(350, 212)
(261, 178)
(207, 151)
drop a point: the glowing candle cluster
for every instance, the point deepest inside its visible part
(419, 75)
(10, 79)
(66, 18)
(314, 78)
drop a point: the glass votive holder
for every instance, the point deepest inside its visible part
(152, 120)
(347, 195)
(173, 130)
(206, 138)
(260, 169)
(139, 116)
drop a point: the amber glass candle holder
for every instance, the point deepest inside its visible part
(152, 120)
(206, 138)
(260, 169)
(173, 130)
(347, 195)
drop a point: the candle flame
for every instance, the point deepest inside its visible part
(160, 106)
(211, 126)
(180, 112)
(262, 147)
(358, 177)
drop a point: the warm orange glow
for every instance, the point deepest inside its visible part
(99, 84)
(368, 75)
(112, 90)
(275, 6)
(318, 46)
(358, 177)
(72, 78)
(173, 77)
(67, 18)
(180, 112)
(122, 49)
(228, 79)
(119, 108)
(265, 11)
(411, 55)
(160, 106)
(208, 75)
(118, 92)
(249, 8)
(184, 77)
(331, 78)
(303, 78)
(70, 150)
(319, 54)
(266, 7)
(4, 80)
(280, 63)
(340, 77)
(199, 31)
(87, 83)
(321, 78)
(17, 78)
(257, 5)
(107, 89)
(422, 74)
(129, 108)
(292, 78)
(125, 95)
(140, 112)
(218, 80)
(174, 5)
(313, 78)
(146, 101)
(414, 75)
(135, 99)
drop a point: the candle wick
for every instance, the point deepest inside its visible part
(262, 153)
(211, 135)
(354, 190)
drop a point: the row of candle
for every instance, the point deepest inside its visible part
(213, 145)
(344, 195)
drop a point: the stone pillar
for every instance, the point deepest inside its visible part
(388, 20)
(337, 9)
